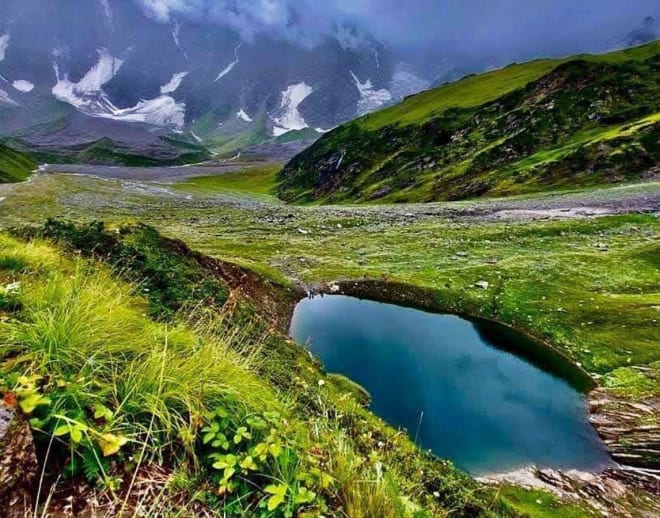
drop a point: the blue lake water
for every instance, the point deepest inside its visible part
(488, 399)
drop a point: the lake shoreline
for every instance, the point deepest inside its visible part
(628, 447)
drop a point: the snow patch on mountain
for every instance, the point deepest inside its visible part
(291, 119)
(107, 12)
(231, 65)
(244, 116)
(23, 86)
(161, 111)
(5, 100)
(370, 98)
(404, 82)
(4, 43)
(78, 94)
(87, 95)
(174, 83)
(176, 30)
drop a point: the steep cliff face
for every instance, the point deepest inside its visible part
(544, 124)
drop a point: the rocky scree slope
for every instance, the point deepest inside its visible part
(541, 125)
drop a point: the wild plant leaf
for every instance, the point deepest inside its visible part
(241, 433)
(61, 430)
(29, 381)
(278, 492)
(30, 402)
(76, 431)
(110, 444)
(260, 451)
(275, 449)
(248, 464)
(257, 423)
(304, 496)
(103, 412)
(221, 442)
(229, 472)
(221, 412)
(225, 461)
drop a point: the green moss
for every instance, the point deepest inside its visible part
(539, 504)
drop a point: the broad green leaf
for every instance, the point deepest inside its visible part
(278, 492)
(248, 464)
(111, 444)
(229, 472)
(275, 449)
(304, 496)
(61, 430)
(225, 461)
(32, 401)
(103, 412)
(76, 434)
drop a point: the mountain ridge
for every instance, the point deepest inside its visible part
(577, 121)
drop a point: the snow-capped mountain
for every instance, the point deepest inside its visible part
(108, 60)
(232, 73)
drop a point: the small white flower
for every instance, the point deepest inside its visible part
(321, 383)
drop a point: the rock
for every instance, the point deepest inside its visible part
(482, 284)
(630, 429)
(612, 492)
(19, 471)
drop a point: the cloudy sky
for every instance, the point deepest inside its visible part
(510, 29)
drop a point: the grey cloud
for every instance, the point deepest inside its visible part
(503, 30)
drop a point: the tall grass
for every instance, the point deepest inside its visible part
(89, 331)
(84, 340)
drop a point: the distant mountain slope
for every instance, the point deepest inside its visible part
(81, 139)
(527, 127)
(116, 64)
(14, 165)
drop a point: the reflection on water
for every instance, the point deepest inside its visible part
(456, 384)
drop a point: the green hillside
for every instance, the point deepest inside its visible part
(14, 165)
(583, 120)
(187, 382)
(169, 152)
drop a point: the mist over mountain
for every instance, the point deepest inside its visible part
(232, 73)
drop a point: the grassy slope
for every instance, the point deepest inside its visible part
(552, 279)
(106, 151)
(14, 165)
(469, 92)
(476, 90)
(153, 381)
(464, 139)
(258, 181)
